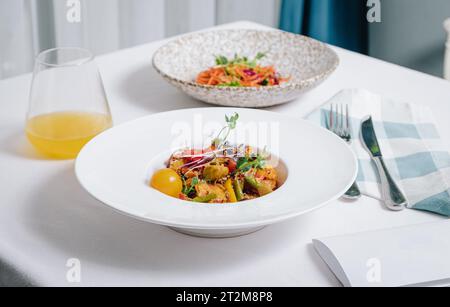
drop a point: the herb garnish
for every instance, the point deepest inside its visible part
(245, 164)
(231, 84)
(188, 190)
(222, 60)
(225, 132)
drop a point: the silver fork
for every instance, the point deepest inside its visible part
(340, 124)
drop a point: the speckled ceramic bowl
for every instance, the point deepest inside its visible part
(307, 61)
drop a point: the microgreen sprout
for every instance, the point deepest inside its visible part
(223, 60)
(225, 132)
(188, 190)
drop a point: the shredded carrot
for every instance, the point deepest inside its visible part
(240, 75)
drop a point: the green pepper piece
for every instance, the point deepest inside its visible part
(204, 199)
(238, 189)
(251, 181)
(262, 188)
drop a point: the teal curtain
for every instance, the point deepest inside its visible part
(338, 22)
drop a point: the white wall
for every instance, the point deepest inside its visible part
(266, 12)
(411, 34)
(15, 31)
(189, 15)
(29, 26)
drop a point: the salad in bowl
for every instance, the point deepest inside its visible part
(221, 173)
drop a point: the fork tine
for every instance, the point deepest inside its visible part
(341, 128)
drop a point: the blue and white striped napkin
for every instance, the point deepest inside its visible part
(410, 143)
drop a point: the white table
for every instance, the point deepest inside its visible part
(46, 218)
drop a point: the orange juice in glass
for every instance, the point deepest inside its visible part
(68, 105)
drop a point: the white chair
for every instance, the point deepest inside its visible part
(447, 51)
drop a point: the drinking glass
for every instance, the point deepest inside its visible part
(68, 105)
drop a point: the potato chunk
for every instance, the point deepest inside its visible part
(204, 189)
(267, 173)
(213, 172)
(176, 165)
(268, 176)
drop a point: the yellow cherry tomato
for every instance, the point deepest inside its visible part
(167, 181)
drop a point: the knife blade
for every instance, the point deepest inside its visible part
(393, 197)
(370, 138)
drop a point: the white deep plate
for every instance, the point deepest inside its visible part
(115, 167)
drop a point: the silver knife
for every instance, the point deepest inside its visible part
(392, 195)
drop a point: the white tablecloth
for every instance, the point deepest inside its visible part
(46, 218)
